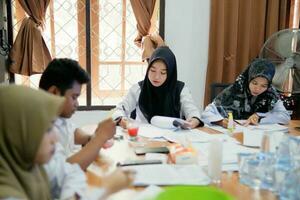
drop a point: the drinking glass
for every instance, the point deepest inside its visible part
(132, 129)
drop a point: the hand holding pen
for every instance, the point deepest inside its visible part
(124, 120)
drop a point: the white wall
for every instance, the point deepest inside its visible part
(186, 33)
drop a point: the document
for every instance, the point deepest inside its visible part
(229, 156)
(183, 137)
(253, 138)
(150, 131)
(269, 127)
(196, 135)
(168, 174)
(260, 127)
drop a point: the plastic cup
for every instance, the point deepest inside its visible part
(132, 128)
(215, 160)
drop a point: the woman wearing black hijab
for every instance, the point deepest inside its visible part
(251, 97)
(160, 93)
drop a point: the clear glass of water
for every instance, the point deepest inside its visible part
(290, 189)
(266, 166)
(294, 149)
(243, 159)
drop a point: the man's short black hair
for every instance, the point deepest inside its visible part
(62, 73)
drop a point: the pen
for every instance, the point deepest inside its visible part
(123, 107)
(138, 162)
(117, 120)
(237, 122)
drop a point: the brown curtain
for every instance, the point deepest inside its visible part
(29, 54)
(238, 29)
(143, 11)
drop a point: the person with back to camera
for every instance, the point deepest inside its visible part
(160, 93)
(27, 141)
(251, 98)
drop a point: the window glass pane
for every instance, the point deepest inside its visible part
(134, 74)
(115, 59)
(65, 22)
(110, 39)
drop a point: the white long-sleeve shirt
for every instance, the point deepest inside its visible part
(130, 102)
(277, 115)
(67, 179)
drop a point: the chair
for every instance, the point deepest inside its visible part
(216, 88)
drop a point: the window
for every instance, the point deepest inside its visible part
(99, 34)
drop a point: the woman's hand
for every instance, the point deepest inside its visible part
(193, 122)
(123, 123)
(224, 123)
(252, 120)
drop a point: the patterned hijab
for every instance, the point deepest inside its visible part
(25, 115)
(237, 97)
(165, 99)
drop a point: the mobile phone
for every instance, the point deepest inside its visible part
(144, 150)
(138, 162)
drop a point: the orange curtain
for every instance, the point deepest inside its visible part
(29, 54)
(238, 29)
(143, 11)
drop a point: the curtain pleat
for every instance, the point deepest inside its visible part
(29, 54)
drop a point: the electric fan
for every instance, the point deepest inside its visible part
(283, 50)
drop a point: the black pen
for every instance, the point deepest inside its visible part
(123, 107)
(117, 120)
(237, 122)
(138, 162)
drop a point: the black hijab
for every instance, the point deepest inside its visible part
(237, 97)
(165, 99)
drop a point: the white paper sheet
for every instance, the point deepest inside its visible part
(230, 152)
(157, 156)
(195, 135)
(166, 174)
(150, 131)
(260, 127)
(269, 127)
(254, 138)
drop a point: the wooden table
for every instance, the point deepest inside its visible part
(122, 150)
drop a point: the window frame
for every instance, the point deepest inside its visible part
(88, 58)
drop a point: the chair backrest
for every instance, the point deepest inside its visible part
(216, 88)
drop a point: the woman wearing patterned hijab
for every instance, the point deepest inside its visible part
(160, 93)
(26, 141)
(252, 97)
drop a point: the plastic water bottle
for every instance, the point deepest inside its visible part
(230, 125)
